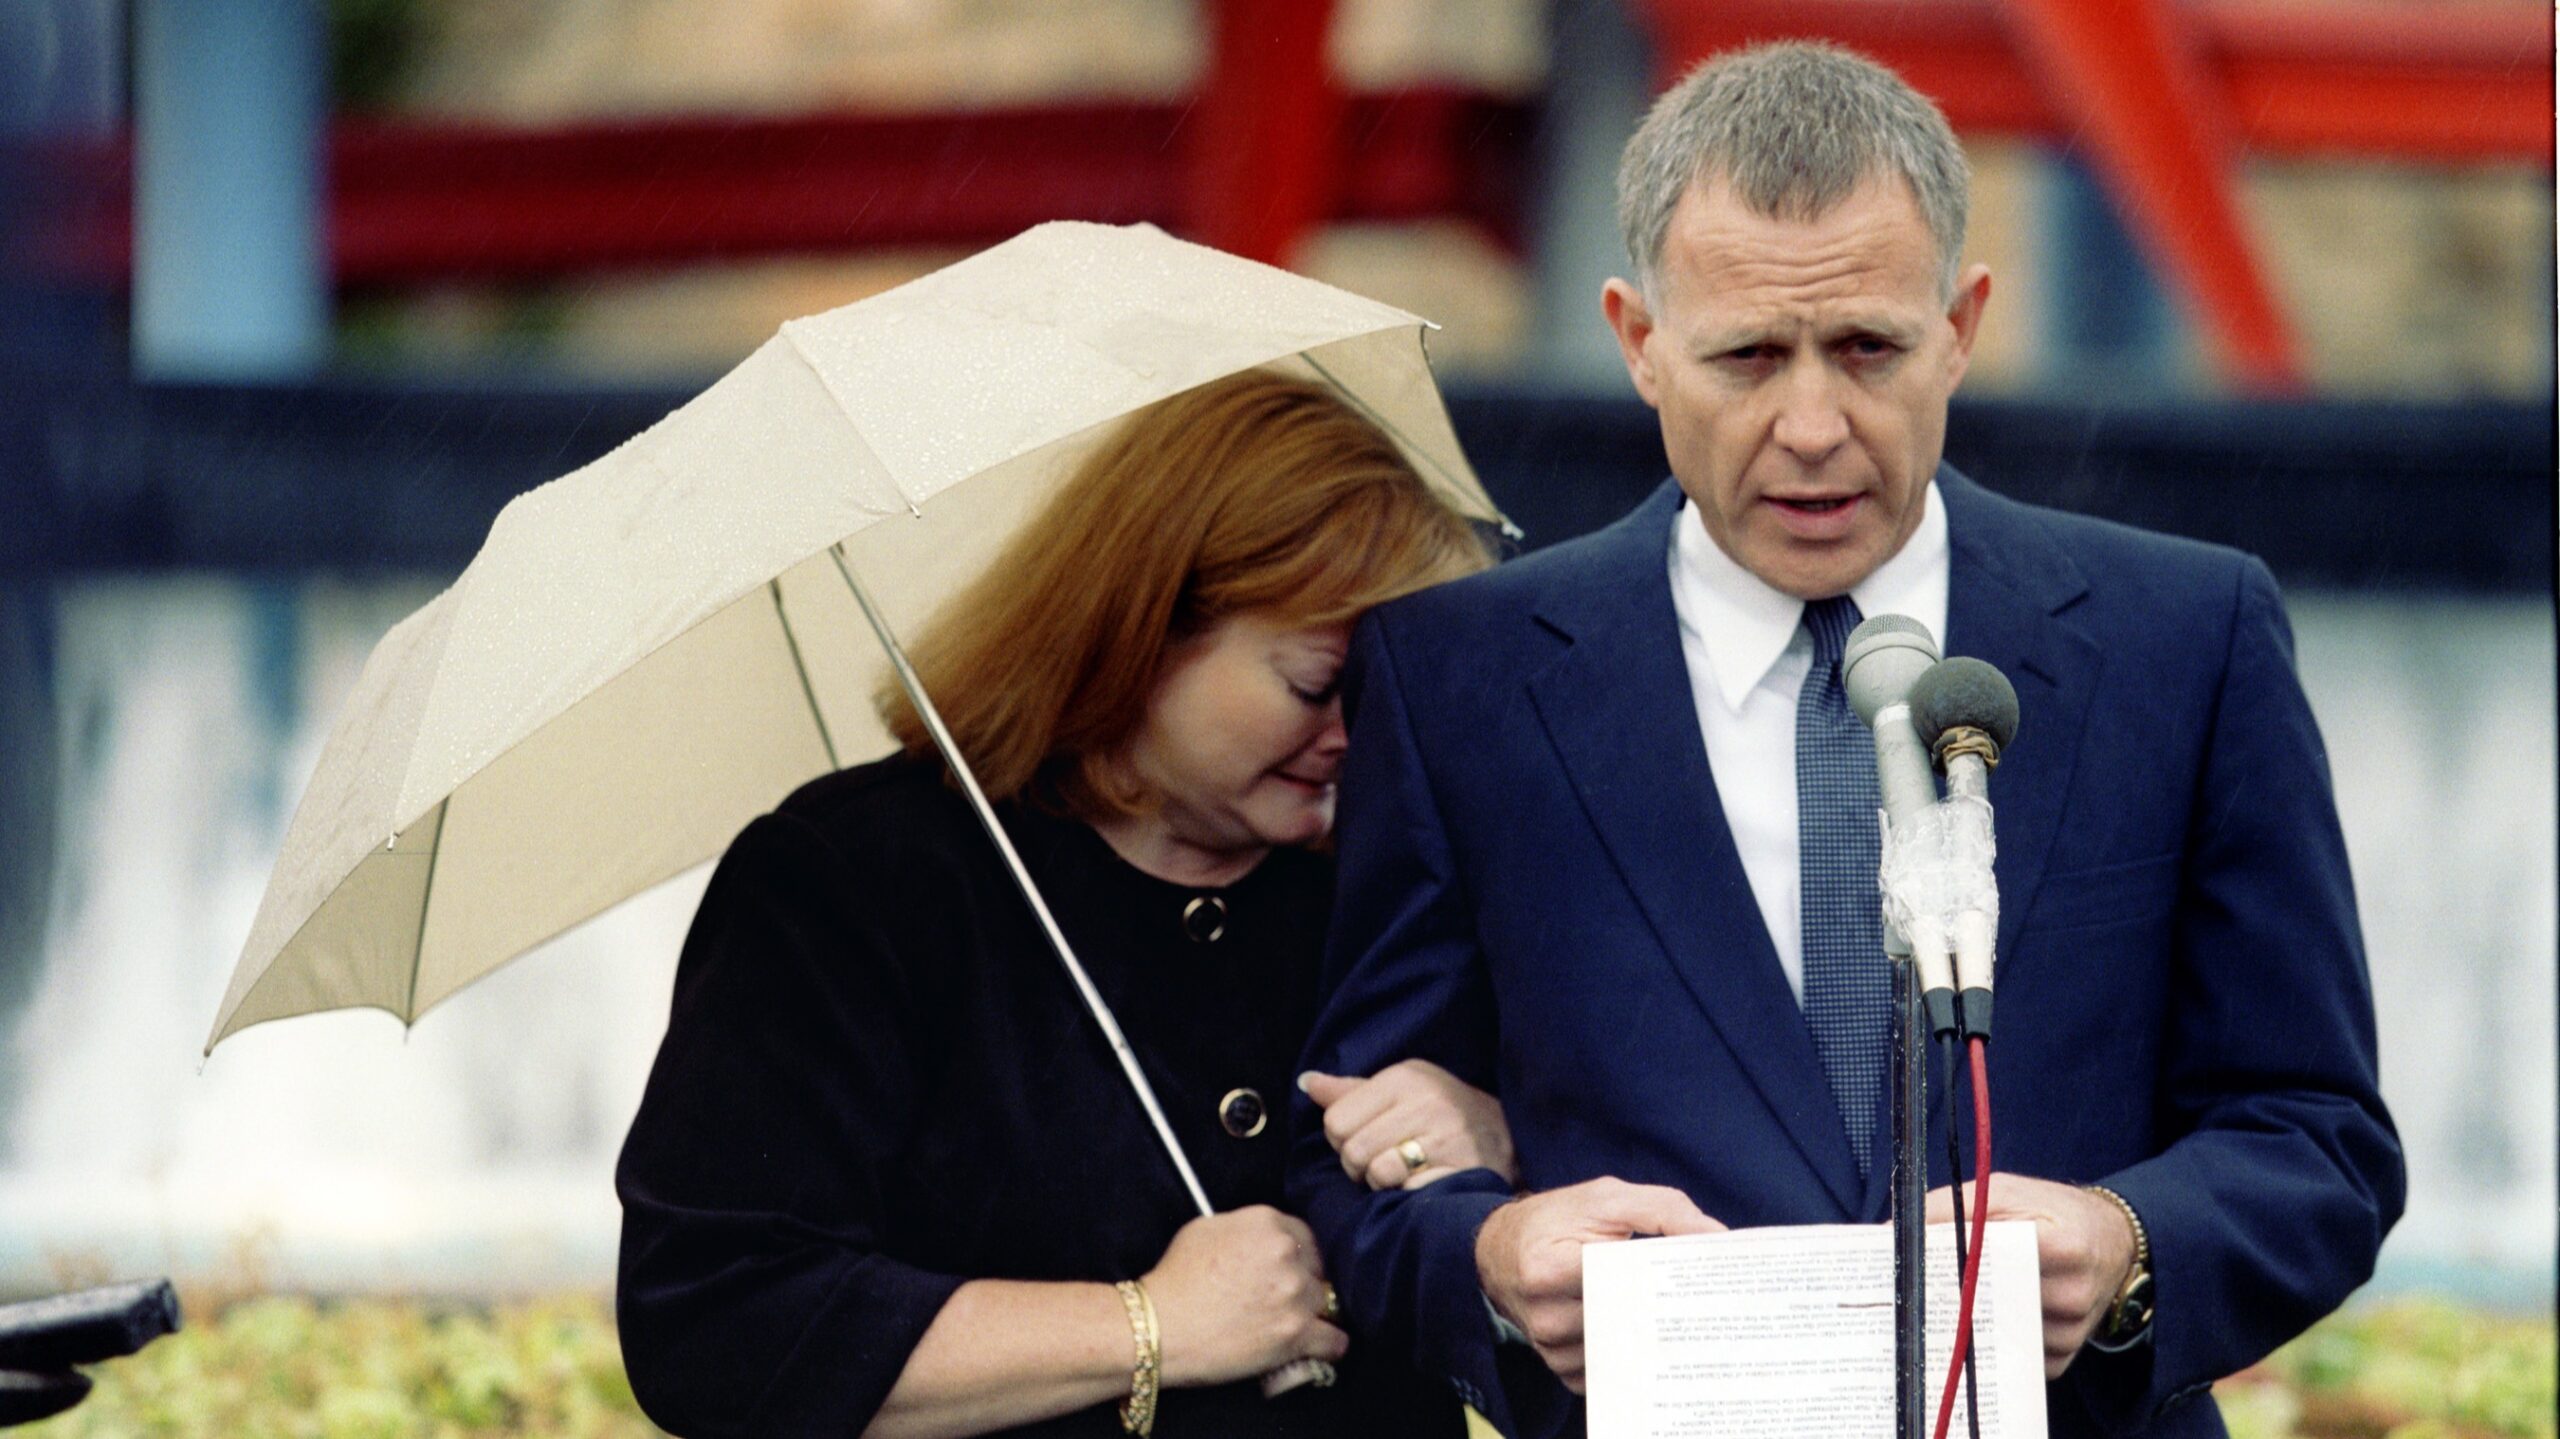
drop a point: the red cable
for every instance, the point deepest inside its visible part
(1981, 1214)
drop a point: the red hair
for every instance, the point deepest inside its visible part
(1251, 493)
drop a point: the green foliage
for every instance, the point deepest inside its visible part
(281, 1368)
(2409, 1369)
(284, 1368)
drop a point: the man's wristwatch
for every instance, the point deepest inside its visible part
(2128, 1320)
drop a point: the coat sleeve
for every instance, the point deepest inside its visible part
(2282, 1172)
(754, 1296)
(1405, 979)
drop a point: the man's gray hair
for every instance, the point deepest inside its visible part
(1793, 127)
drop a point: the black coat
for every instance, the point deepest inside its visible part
(878, 1082)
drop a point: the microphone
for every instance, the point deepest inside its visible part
(1885, 656)
(1967, 713)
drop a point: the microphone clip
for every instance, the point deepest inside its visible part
(1962, 741)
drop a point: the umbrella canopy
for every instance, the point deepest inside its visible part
(652, 650)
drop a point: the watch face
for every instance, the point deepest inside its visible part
(2133, 1309)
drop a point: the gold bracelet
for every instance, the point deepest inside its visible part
(2129, 1312)
(2141, 1236)
(1138, 1411)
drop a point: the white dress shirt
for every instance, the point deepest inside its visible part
(1748, 654)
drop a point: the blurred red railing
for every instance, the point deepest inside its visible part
(2163, 96)
(2449, 81)
(411, 202)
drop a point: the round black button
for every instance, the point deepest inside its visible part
(1242, 1113)
(1205, 919)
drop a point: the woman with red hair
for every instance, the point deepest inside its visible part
(887, 1178)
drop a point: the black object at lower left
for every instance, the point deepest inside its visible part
(86, 1326)
(26, 1398)
(42, 1339)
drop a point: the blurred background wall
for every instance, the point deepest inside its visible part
(297, 295)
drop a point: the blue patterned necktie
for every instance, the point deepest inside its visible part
(1848, 991)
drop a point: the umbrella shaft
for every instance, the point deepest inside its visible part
(959, 763)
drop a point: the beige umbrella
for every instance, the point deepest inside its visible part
(656, 648)
(652, 650)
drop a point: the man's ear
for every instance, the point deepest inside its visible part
(1973, 291)
(1624, 307)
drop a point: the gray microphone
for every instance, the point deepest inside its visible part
(1967, 713)
(1885, 656)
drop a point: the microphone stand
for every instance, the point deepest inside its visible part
(1910, 1289)
(1888, 658)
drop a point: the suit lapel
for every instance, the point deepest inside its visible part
(2008, 582)
(1617, 706)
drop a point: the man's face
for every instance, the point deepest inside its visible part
(1802, 370)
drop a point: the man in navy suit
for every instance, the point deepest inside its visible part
(1578, 838)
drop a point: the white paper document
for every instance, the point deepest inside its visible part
(1789, 1331)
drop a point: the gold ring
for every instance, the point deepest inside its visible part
(1415, 1161)
(1332, 1311)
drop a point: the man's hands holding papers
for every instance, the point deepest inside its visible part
(1529, 1255)
(2083, 1246)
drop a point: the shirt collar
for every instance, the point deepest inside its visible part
(1744, 624)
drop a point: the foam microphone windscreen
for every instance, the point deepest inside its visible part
(1964, 691)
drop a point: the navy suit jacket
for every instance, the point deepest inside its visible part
(1539, 892)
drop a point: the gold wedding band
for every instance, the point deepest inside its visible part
(1415, 1160)
(1332, 1311)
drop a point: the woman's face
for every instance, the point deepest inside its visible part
(1243, 737)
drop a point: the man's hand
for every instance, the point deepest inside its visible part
(1454, 1124)
(2083, 1245)
(1529, 1255)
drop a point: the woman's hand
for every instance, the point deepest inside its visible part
(1239, 1294)
(1450, 1124)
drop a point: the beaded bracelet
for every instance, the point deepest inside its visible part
(1138, 1411)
